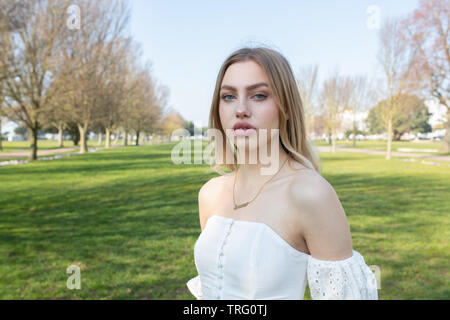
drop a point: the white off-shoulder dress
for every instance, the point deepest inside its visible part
(248, 260)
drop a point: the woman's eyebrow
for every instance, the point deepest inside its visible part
(253, 86)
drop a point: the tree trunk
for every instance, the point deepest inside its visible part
(108, 138)
(313, 123)
(33, 142)
(333, 142)
(389, 139)
(125, 138)
(445, 146)
(83, 139)
(99, 142)
(354, 134)
(137, 138)
(74, 132)
(60, 136)
(116, 138)
(1, 136)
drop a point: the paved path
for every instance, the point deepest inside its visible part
(39, 153)
(394, 153)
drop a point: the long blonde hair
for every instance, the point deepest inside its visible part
(282, 82)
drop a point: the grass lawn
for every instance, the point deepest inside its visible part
(23, 146)
(129, 218)
(18, 146)
(381, 145)
(39, 157)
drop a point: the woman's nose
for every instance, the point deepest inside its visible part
(242, 110)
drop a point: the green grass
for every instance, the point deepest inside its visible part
(129, 218)
(381, 145)
(23, 146)
(399, 217)
(19, 146)
(39, 157)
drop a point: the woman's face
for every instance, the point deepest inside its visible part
(245, 96)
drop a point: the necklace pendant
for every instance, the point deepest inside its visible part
(241, 205)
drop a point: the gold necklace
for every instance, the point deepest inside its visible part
(246, 203)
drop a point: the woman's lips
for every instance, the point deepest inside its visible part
(244, 132)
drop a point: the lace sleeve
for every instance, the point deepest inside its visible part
(195, 287)
(348, 279)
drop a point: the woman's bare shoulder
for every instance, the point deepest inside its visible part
(314, 197)
(309, 185)
(318, 208)
(213, 185)
(208, 196)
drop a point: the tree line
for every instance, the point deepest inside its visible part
(91, 78)
(414, 58)
(75, 68)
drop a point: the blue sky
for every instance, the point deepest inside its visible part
(187, 41)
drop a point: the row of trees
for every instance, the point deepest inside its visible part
(415, 61)
(68, 67)
(336, 93)
(83, 73)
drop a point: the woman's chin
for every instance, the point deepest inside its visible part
(248, 147)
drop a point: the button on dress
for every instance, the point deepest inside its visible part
(248, 260)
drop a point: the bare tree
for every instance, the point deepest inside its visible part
(427, 31)
(54, 116)
(334, 98)
(307, 80)
(112, 92)
(148, 104)
(396, 60)
(130, 85)
(171, 122)
(361, 95)
(27, 60)
(56, 112)
(89, 53)
(1, 114)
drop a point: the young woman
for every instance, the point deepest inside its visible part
(265, 236)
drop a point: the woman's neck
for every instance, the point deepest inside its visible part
(250, 174)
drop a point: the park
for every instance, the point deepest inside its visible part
(128, 218)
(96, 200)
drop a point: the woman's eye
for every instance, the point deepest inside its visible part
(226, 95)
(258, 96)
(261, 95)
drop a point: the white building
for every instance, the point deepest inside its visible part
(347, 120)
(9, 126)
(437, 119)
(439, 113)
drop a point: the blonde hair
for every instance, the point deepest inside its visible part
(283, 85)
